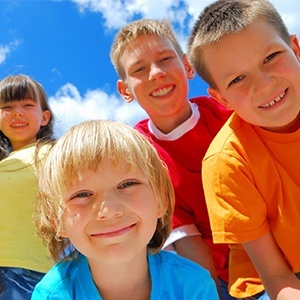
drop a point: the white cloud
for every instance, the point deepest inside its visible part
(119, 12)
(182, 13)
(6, 49)
(70, 108)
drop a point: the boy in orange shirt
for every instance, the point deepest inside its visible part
(251, 170)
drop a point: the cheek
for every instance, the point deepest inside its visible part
(72, 218)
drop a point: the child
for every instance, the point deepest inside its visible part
(251, 170)
(111, 197)
(154, 70)
(26, 125)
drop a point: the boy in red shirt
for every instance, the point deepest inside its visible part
(154, 70)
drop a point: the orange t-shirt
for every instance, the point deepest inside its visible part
(252, 185)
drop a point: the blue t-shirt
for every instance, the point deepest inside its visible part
(172, 277)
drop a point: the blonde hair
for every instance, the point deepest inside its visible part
(129, 33)
(224, 17)
(89, 144)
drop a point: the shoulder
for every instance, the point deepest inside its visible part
(206, 102)
(174, 264)
(235, 136)
(55, 282)
(43, 149)
(22, 156)
(142, 126)
(62, 280)
(174, 276)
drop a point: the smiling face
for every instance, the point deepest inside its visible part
(257, 74)
(156, 77)
(21, 120)
(111, 214)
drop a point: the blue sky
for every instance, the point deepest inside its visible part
(65, 46)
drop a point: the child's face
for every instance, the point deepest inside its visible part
(21, 120)
(111, 215)
(155, 76)
(257, 74)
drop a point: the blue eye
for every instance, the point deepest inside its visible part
(81, 195)
(127, 184)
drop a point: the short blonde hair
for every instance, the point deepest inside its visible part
(89, 144)
(225, 17)
(129, 33)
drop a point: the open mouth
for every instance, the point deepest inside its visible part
(163, 92)
(278, 99)
(18, 125)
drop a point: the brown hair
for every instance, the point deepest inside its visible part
(225, 17)
(21, 87)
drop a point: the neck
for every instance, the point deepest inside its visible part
(289, 128)
(128, 281)
(169, 122)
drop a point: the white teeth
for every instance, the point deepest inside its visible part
(18, 125)
(274, 101)
(162, 92)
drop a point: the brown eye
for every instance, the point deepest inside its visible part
(270, 57)
(236, 80)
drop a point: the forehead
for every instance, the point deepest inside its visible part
(238, 52)
(145, 46)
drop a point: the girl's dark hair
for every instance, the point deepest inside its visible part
(21, 87)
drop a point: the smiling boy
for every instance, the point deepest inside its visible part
(154, 71)
(251, 170)
(104, 211)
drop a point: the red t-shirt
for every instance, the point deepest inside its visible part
(183, 157)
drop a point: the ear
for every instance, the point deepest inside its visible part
(295, 46)
(162, 209)
(190, 72)
(218, 97)
(124, 91)
(63, 234)
(45, 117)
(59, 228)
(161, 212)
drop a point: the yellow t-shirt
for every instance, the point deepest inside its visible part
(252, 185)
(20, 247)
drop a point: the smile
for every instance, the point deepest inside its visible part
(278, 99)
(163, 92)
(114, 233)
(18, 125)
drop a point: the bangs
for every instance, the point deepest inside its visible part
(17, 91)
(91, 144)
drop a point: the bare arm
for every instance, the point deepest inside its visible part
(278, 278)
(195, 249)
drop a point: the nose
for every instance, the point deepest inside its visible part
(264, 83)
(109, 208)
(18, 112)
(156, 72)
